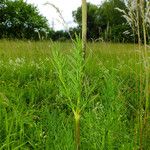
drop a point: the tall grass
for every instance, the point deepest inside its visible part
(35, 112)
(137, 18)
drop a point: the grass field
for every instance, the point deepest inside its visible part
(33, 116)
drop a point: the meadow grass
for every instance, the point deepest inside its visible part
(33, 115)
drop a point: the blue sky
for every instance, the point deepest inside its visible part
(66, 7)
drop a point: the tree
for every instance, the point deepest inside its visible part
(104, 20)
(21, 20)
(60, 36)
(111, 14)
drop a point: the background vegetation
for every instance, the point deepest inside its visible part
(46, 86)
(105, 23)
(34, 114)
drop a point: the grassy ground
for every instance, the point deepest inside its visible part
(33, 117)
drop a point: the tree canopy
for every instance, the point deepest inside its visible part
(105, 21)
(21, 20)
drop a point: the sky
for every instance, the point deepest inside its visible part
(65, 6)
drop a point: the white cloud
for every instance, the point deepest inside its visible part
(66, 7)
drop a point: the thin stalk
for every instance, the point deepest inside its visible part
(146, 64)
(140, 113)
(143, 120)
(138, 23)
(84, 40)
(84, 27)
(77, 129)
(141, 99)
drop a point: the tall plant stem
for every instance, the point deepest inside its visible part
(138, 10)
(138, 22)
(84, 34)
(84, 27)
(143, 120)
(146, 64)
(77, 129)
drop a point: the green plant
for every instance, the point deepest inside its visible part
(137, 17)
(35, 113)
(74, 89)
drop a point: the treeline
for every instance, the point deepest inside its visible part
(22, 21)
(105, 23)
